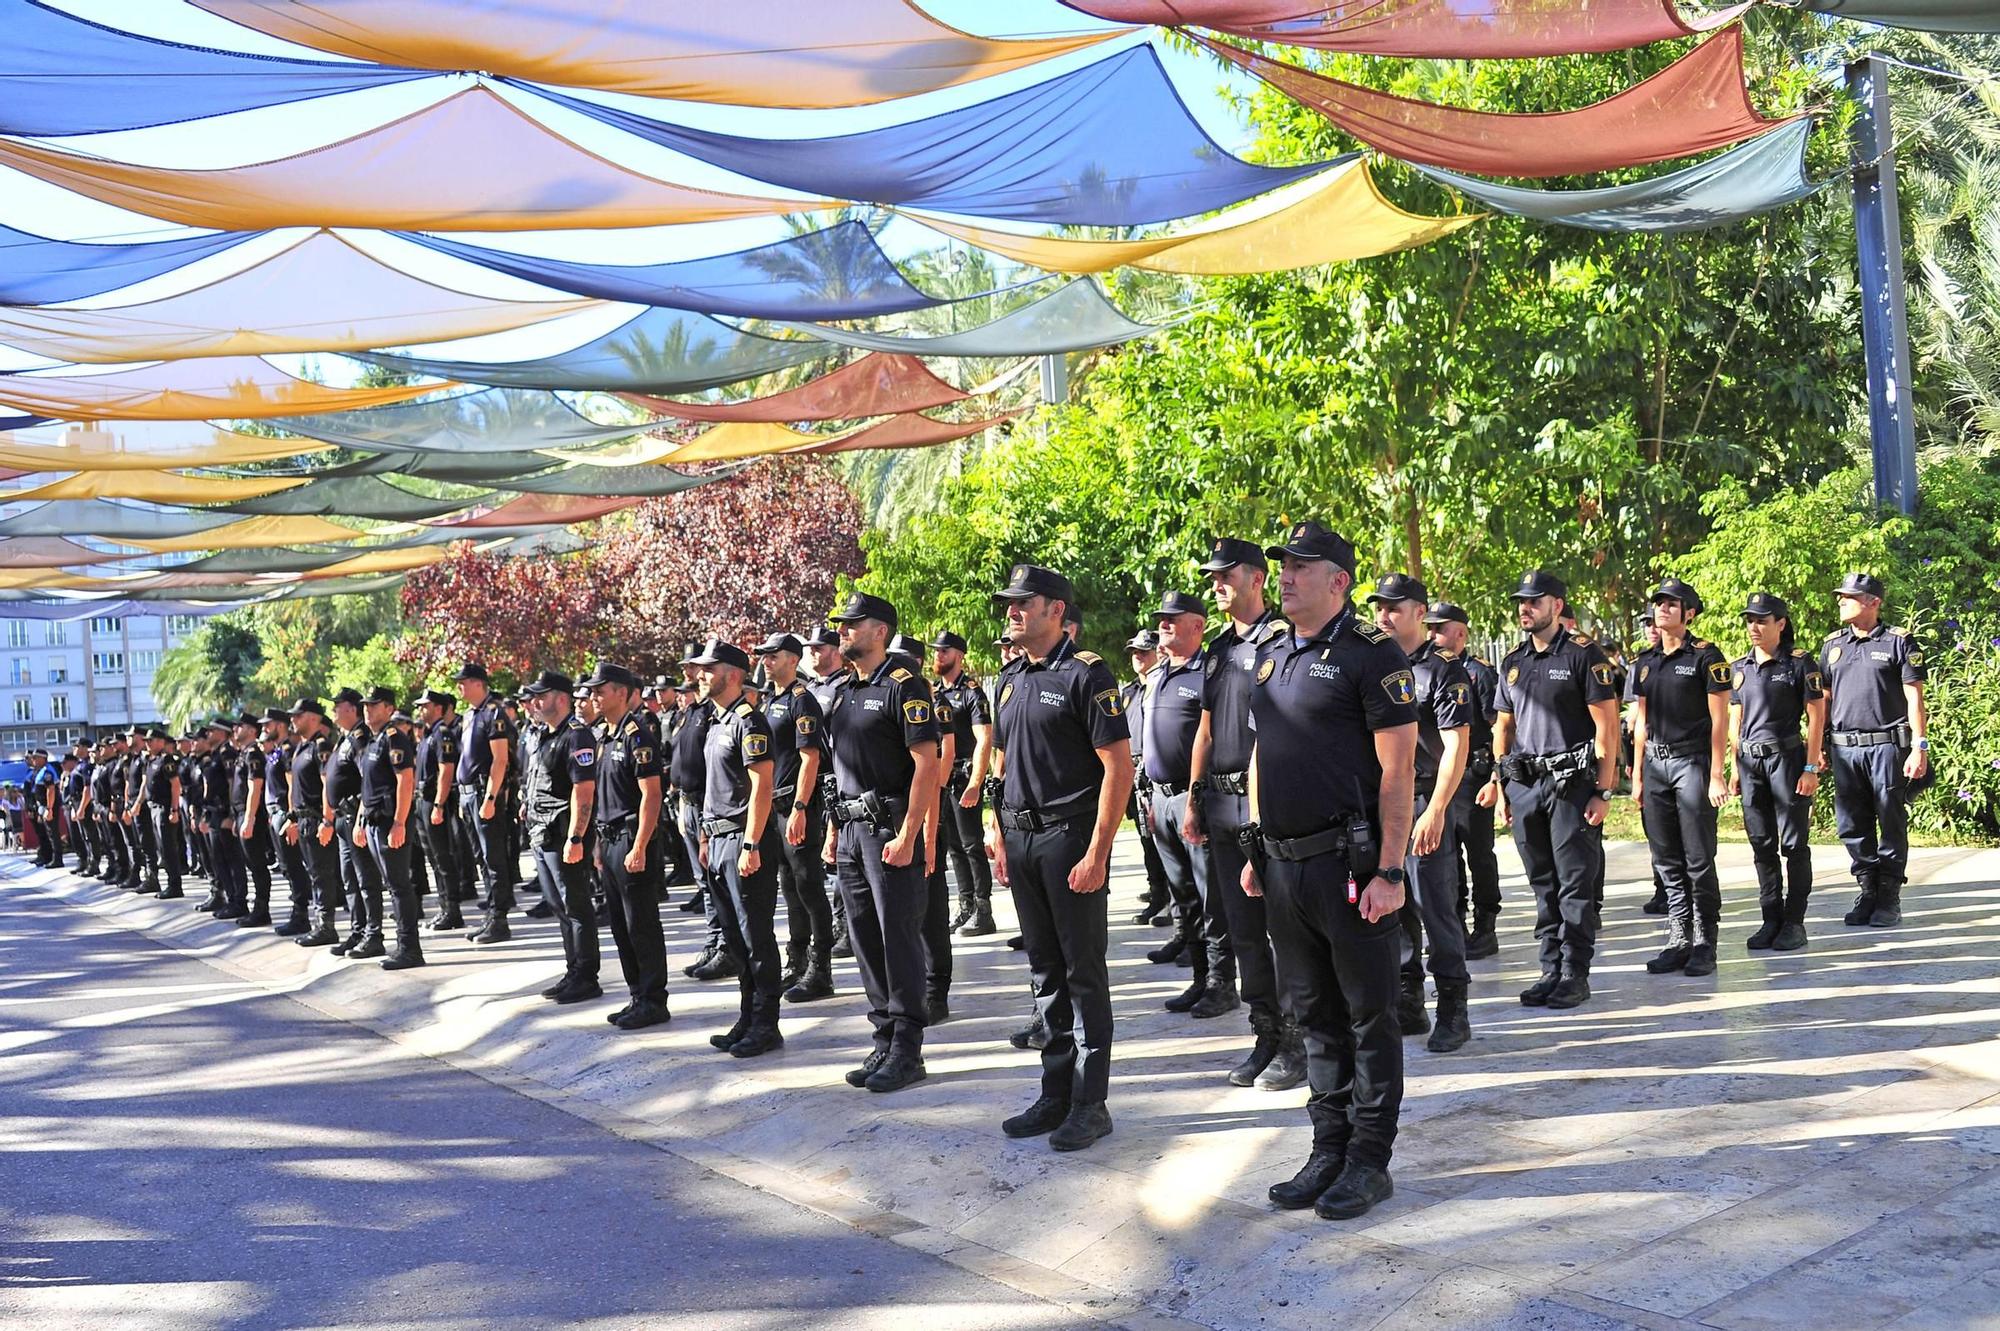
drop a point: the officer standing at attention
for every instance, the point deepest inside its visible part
(627, 810)
(741, 847)
(1555, 748)
(1444, 723)
(1332, 777)
(382, 828)
(163, 813)
(1472, 824)
(1142, 651)
(1773, 690)
(437, 806)
(1650, 629)
(961, 823)
(106, 780)
(884, 739)
(558, 792)
(686, 774)
(1875, 710)
(1238, 574)
(485, 759)
(41, 789)
(1680, 735)
(310, 829)
(137, 814)
(251, 823)
(1065, 762)
(360, 876)
(798, 754)
(274, 790)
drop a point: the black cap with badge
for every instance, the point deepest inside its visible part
(1145, 640)
(1228, 552)
(609, 672)
(382, 693)
(779, 642)
(1536, 583)
(1673, 589)
(1862, 584)
(1311, 540)
(472, 670)
(1030, 580)
(1394, 587)
(860, 605)
(350, 696)
(1444, 612)
(1763, 605)
(947, 641)
(1180, 603)
(550, 681)
(440, 697)
(717, 652)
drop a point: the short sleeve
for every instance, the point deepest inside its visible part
(1716, 670)
(402, 751)
(1104, 706)
(753, 738)
(582, 761)
(915, 712)
(982, 713)
(1814, 679)
(1388, 688)
(1503, 695)
(1600, 677)
(808, 725)
(1914, 670)
(503, 728)
(1632, 681)
(644, 748)
(1452, 703)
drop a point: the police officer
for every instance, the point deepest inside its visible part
(249, 822)
(961, 824)
(485, 758)
(1680, 736)
(311, 827)
(1237, 574)
(274, 790)
(340, 809)
(1472, 824)
(137, 816)
(558, 794)
(1444, 723)
(668, 714)
(1773, 690)
(76, 789)
(438, 820)
(687, 776)
(1650, 630)
(1142, 652)
(884, 739)
(798, 754)
(741, 847)
(1333, 771)
(382, 825)
(937, 892)
(162, 793)
(43, 797)
(106, 781)
(627, 810)
(230, 884)
(1555, 748)
(1063, 750)
(1879, 727)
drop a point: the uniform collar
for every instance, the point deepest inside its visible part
(1064, 649)
(1858, 635)
(1168, 669)
(1330, 630)
(1687, 645)
(1233, 634)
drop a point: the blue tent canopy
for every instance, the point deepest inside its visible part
(21, 422)
(35, 270)
(1110, 144)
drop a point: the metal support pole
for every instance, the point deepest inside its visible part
(1055, 378)
(1885, 328)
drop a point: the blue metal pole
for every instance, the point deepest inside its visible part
(1885, 328)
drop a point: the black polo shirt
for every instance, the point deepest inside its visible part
(160, 775)
(437, 752)
(1225, 691)
(1772, 694)
(248, 767)
(277, 778)
(1315, 705)
(1865, 674)
(1053, 717)
(309, 763)
(104, 784)
(1485, 684)
(555, 760)
(1173, 715)
(1676, 688)
(487, 723)
(738, 737)
(687, 771)
(1133, 697)
(1444, 702)
(874, 723)
(136, 767)
(796, 725)
(631, 754)
(1549, 692)
(969, 709)
(390, 752)
(343, 770)
(217, 767)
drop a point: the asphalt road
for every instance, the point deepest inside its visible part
(181, 1149)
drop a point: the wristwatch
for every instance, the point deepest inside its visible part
(1813, 768)
(1607, 795)
(1390, 876)
(1923, 746)
(576, 841)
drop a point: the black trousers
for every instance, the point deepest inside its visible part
(1478, 867)
(937, 923)
(148, 844)
(1202, 921)
(1778, 822)
(634, 902)
(962, 841)
(111, 837)
(748, 908)
(361, 877)
(1065, 935)
(802, 878)
(1337, 980)
(168, 848)
(228, 868)
(292, 861)
(1680, 831)
(391, 870)
(323, 867)
(885, 918)
(568, 890)
(1563, 857)
(80, 842)
(1245, 915)
(256, 854)
(490, 841)
(1157, 894)
(1871, 811)
(136, 834)
(1431, 886)
(444, 845)
(48, 850)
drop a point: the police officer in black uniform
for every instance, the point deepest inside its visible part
(1064, 753)
(360, 877)
(162, 793)
(1142, 653)
(798, 754)
(438, 820)
(686, 773)
(274, 791)
(1555, 748)
(311, 823)
(137, 815)
(1774, 690)
(627, 810)
(558, 793)
(937, 892)
(485, 759)
(1881, 748)
(961, 825)
(1472, 823)
(382, 825)
(247, 820)
(230, 881)
(883, 736)
(1333, 701)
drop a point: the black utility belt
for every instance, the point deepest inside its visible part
(1687, 749)
(722, 826)
(1338, 839)
(1865, 739)
(347, 808)
(1764, 748)
(1169, 789)
(386, 818)
(871, 808)
(1525, 767)
(1040, 820)
(1229, 783)
(961, 769)
(617, 826)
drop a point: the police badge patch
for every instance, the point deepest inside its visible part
(1739, 679)
(1005, 694)
(1719, 671)
(916, 712)
(1513, 676)
(755, 747)
(585, 757)
(1110, 703)
(1603, 673)
(1214, 664)
(1401, 687)
(1832, 655)
(1264, 670)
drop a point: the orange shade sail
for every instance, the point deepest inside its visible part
(159, 487)
(912, 432)
(878, 384)
(244, 387)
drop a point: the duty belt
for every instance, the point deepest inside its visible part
(1229, 783)
(721, 826)
(1296, 849)
(347, 807)
(1040, 820)
(868, 808)
(1862, 739)
(1764, 748)
(1685, 749)
(613, 826)
(1169, 789)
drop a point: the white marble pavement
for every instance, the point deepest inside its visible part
(1802, 1140)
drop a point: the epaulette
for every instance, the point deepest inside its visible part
(1699, 644)
(1088, 658)
(1272, 628)
(1475, 656)
(1900, 632)
(1799, 652)
(1369, 632)
(1583, 639)
(743, 707)
(1836, 633)
(900, 675)
(968, 679)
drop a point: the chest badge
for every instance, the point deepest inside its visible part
(1005, 694)
(1513, 676)
(1264, 670)
(1832, 655)
(1644, 671)
(1739, 679)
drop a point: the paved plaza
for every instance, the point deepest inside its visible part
(206, 1127)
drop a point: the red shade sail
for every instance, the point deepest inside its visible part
(536, 510)
(878, 384)
(911, 432)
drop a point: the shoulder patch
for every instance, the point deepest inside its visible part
(1719, 671)
(755, 747)
(1799, 652)
(1264, 670)
(1699, 644)
(916, 712)
(1582, 639)
(901, 676)
(1214, 664)
(1401, 686)
(1273, 627)
(1840, 632)
(1110, 702)
(1089, 658)
(969, 680)
(1602, 670)
(1369, 632)
(1475, 656)
(1900, 632)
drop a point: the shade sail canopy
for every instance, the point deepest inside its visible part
(352, 497)
(1336, 218)
(1928, 15)
(877, 384)
(108, 521)
(1693, 105)
(836, 273)
(535, 510)
(912, 432)
(321, 294)
(463, 468)
(35, 270)
(1751, 178)
(265, 561)
(1110, 144)
(1075, 317)
(748, 439)
(243, 387)
(92, 451)
(589, 480)
(20, 422)
(51, 552)
(553, 541)
(252, 532)
(1447, 29)
(469, 163)
(28, 605)
(660, 351)
(60, 74)
(803, 53)
(491, 420)
(159, 487)
(382, 561)
(308, 587)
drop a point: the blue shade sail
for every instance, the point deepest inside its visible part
(35, 270)
(591, 480)
(60, 74)
(461, 468)
(1751, 178)
(836, 273)
(491, 420)
(37, 605)
(352, 497)
(660, 351)
(21, 422)
(1928, 15)
(1110, 144)
(1075, 317)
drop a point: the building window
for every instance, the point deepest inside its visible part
(179, 626)
(107, 663)
(24, 709)
(145, 662)
(58, 672)
(17, 633)
(20, 672)
(105, 626)
(59, 707)
(52, 737)
(55, 633)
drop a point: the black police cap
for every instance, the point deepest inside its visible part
(347, 695)
(1310, 540)
(860, 605)
(779, 642)
(1540, 582)
(820, 637)
(905, 645)
(472, 670)
(441, 698)
(1228, 552)
(1145, 640)
(610, 672)
(1763, 605)
(1004, 640)
(1861, 584)
(159, 733)
(1646, 616)
(946, 640)
(1026, 580)
(717, 652)
(382, 693)
(685, 686)
(550, 681)
(305, 705)
(1673, 589)
(1444, 612)
(223, 723)
(246, 719)
(1393, 587)
(1180, 603)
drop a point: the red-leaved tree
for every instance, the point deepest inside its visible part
(514, 616)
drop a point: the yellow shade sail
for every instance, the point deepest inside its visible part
(91, 450)
(469, 163)
(55, 580)
(747, 439)
(159, 487)
(1334, 217)
(383, 561)
(190, 390)
(320, 294)
(802, 53)
(255, 532)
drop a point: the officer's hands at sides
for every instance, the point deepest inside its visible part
(174, 817)
(635, 859)
(996, 850)
(573, 852)
(1593, 812)
(487, 807)
(1735, 784)
(437, 817)
(395, 836)
(701, 851)
(1191, 827)
(748, 859)
(901, 850)
(326, 834)
(291, 834)
(1251, 888)
(1091, 872)
(1429, 832)
(1916, 765)
(1380, 898)
(1488, 795)
(970, 799)
(795, 826)
(1808, 784)
(1718, 790)
(360, 837)
(930, 855)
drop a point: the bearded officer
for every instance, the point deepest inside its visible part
(1774, 690)
(558, 792)
(382, 823)
(798, 754)
(485, 759)
(627, 810)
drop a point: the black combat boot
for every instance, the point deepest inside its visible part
(1888, 910)
(1483, 941)
(1355, 1193)
(1266, 1029)
(1767, 932)
(1410, 1013)
(981, 922)
(816, 983)
(1657, 903)
(1087, 1121)
(1288, 1069)
(1863, 911)
(1043, 1116)
(1453, 1027)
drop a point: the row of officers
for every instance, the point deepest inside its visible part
(1317, 784)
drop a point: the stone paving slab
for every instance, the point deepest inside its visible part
(1803, 1139)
